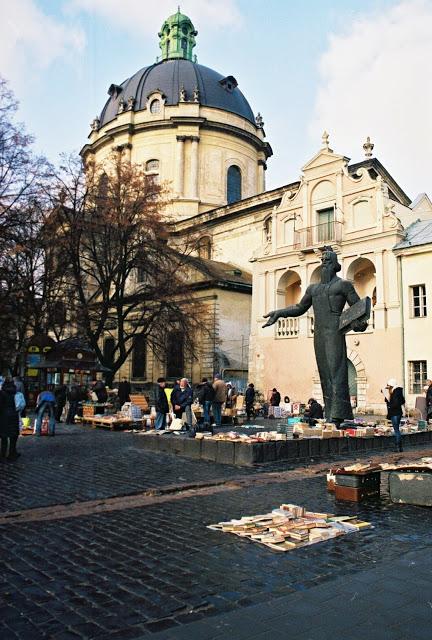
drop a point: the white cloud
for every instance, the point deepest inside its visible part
(146, 16)
(375, 80)
(31, 40)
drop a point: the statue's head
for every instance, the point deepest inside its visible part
(330, 264)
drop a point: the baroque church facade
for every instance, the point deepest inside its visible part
(194, 131)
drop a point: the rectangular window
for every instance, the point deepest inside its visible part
(139, 352)
(418, 301)
(325, 221)
(109, 349)
(417, 376)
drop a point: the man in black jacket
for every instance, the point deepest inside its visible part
(206, 396)
(60, 400)
(74, 396)
(162, 406)
(394, 403)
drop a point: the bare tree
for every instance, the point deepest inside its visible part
(24, 251)
(126, 281)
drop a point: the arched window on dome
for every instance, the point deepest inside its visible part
(103, 185)
(234, 186)
(204, 247)
(152, 173)
(102, 190)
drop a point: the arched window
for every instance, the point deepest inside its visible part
(103, 184)
(155, 106)
(204, 247)
(234, 190)
(152, 165)
(152, 173)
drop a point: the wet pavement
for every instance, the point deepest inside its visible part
(155, 570)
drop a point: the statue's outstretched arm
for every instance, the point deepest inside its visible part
(293, 311)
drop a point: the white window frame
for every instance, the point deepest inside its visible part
(418, 300)
(417, 378)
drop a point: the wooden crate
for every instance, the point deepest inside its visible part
(140, 401)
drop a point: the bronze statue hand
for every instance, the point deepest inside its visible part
(272, 317)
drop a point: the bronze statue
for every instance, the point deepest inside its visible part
(328, 300)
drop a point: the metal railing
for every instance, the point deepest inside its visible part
(318, 235)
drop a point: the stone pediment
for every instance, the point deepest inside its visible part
(324, 162)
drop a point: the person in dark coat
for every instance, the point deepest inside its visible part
(275, 398)
(74, 396)
(184, 402)
(99, 389)
(124, 390)
(9, 423)
(162, 406)
(175, 393)
(395, 402)
(206, 395)
(60, 400)
(428, 389)
(250, 399)
(314, 412)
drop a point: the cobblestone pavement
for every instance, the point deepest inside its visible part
(81, 463)
(133, 573)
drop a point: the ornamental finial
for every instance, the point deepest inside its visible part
(368, 147)
(325, 140)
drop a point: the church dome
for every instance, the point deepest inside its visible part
(176, 79)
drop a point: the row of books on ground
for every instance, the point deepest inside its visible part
(290, 527)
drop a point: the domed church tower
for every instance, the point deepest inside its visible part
(190, 126)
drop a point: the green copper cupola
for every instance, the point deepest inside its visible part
(177, 37)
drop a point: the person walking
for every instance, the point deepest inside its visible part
(206, 395)
(60, 401)
(220, 395)
(162, 406)
(395, 402)
(250, 399)
(428, 390)
(9, 422)
(45, 404)
(74, 396)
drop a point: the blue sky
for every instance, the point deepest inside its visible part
(353, 67)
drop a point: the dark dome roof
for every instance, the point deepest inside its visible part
(169, 76)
